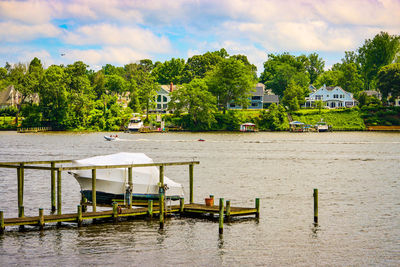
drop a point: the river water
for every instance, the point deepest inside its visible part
(357, 174)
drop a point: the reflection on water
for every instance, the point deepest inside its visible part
(356, 173)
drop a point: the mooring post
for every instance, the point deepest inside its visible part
(130, 187)
(221, 216)
(115, 211)
(228, 210)
(20, 192)
(315, 205)
(22, 170)
(257, 208)
(1, 222)
(191, 182)
(150, 208)
(53, 187)
(79, 219)
(41, 219)
(58, 191)
(162, 199)
(181, 204)
(94, 190)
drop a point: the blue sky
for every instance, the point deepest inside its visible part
(98, 32)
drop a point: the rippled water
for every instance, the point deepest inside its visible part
(357, 174)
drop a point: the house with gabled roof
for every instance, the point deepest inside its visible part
(259, 99)
(163, 97)
(333, 97)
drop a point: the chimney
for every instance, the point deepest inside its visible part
(171, 87)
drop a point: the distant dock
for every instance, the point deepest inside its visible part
(33, 129)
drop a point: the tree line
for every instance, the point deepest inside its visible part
(75, 97)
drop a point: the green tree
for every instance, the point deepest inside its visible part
(54, 96)
(275, 118)
(388, 80)
(319, 104)
(195, 99)
(349, 77)
(169, 71)
(231, 80)
(376, 53)
(197, 66)
(329, 78)
(294, 96)
(314, 66)
(115, 84)
(279, 70)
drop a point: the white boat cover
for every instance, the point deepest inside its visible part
(145, 179)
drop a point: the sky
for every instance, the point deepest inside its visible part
(120, 32)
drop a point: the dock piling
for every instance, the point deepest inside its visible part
(221, 216)
(58, 192)
(115, 211)
(79, 219)
(258, 208)
(41, 219)
(2, 222)
(162, 199)
(130, 187)
(94, 190)
(181, 204)
(191, 182)
(228, 210)
(53, 187)
(161, 211)
(315, 205)
(150, 208)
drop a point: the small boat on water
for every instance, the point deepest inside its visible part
(111, 137)
(135, 123)
(322, 126)
(248, 127)
(113, 184)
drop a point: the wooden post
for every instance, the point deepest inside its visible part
(257, 208)
(191, 182)
(161, 207)
(94, 190)
(41, 219)
(22, 170)
(2, 222)
(83, 203)
(79, 219)
(20, 203)
(58, 192)
(221, 216)
(115, 211)
(228, 210)
(315, 205)
(53, 187)
(130, 186)
(150, 208)
(181, 204)
(161, 190)
(22, 212)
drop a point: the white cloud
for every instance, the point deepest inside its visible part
(16, 32)
(108, 35)
(36, 12)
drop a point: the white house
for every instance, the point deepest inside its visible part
(163, 97)
(333, 97)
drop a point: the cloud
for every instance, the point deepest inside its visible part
(36, 12)
(110, 35)
(17, 32)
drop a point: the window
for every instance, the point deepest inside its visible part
(165, 99)
(165, 106)
(158, 106)
(232, 105)
(159, 98)
(254, 104)
(256, 98)
(335, 96)
(318, 97)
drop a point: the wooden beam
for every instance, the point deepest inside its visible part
(126, 166)
(35, 162)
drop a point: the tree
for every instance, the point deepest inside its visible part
(54, 97)
(231, 80)
(388, 80)
(197, 101)
(169, 71)
(115, 84)
(147, 91)
(279, 70)
(349, 77)
(198, 65)
(275, 118)
(319, 104)
(376, 53)
(293, 96)
(328, 78)
(314, 66)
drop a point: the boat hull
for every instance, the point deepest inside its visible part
(109, 198)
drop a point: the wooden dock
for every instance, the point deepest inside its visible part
(158, 207)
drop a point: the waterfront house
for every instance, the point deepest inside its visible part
(259, 99)
(9, 97)
(163, 97)
(333, 97)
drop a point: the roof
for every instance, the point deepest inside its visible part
(5, 95)
(270, 98)
(296, 123)
(259, 89)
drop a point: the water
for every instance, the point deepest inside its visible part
(357, 174)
